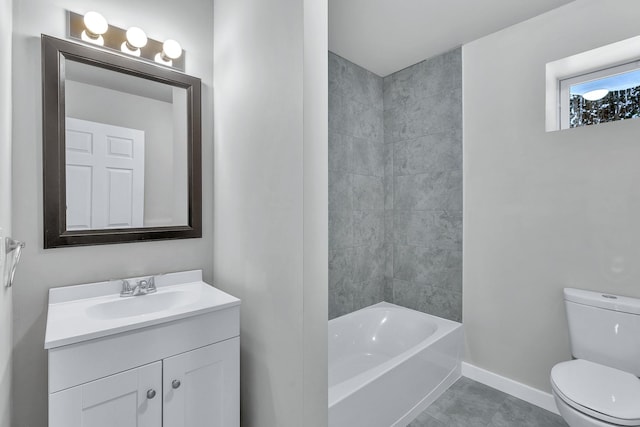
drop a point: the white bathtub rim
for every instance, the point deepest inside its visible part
(344, 389)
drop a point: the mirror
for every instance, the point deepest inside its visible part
(122, 144)
(125, 150)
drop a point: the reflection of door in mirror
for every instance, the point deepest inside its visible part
(105, 176)
(111, 101)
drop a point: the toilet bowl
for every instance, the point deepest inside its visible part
(600, 387)
(592, 395)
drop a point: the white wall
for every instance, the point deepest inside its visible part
(190, 23)
(542, 210)
(315, 296)
(270, 198)
(6, 19)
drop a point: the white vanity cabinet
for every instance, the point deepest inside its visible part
(196, 388)
(178, 369)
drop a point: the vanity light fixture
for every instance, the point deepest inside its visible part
(95, 26)
(94, 29)
(171, 50)
(136, 39)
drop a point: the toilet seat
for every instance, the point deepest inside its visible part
(599, 391)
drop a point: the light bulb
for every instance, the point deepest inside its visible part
(595, 95)
(136, 38)
(171, 49)
(96, 26)
(95, 23)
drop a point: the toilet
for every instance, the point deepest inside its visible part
(600, 387)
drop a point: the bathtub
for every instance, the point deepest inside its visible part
(388, 363)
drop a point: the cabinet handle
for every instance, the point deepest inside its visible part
(175, 384)
(151, 393)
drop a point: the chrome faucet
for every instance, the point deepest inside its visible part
(142, 287)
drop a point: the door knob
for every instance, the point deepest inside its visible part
(151, 393)
(175, 384)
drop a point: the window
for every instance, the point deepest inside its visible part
(603, 96)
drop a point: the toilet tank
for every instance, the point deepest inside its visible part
(604, 328)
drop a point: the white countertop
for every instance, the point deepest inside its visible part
(72, 309)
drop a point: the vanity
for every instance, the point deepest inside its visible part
(169, 358)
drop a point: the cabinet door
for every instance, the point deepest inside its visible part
(122, 400)
(202, 387)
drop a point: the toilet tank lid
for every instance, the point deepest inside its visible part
(603, 300)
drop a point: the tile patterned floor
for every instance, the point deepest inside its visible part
(471, 404)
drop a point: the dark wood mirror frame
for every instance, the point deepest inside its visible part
(54, 52)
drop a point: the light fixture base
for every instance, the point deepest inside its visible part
(115, 36)
(160, 59)
(87, 36)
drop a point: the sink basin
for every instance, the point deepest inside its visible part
(139, 305)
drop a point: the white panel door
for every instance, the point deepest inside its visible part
(121, 400)
(105, 176)
(202, 387)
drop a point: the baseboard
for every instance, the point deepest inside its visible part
(521, 391)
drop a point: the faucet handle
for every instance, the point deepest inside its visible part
(151, 285)
(126, 288)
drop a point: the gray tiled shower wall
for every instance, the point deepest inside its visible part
(423, 183)
(395, 186)
(357, 251)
